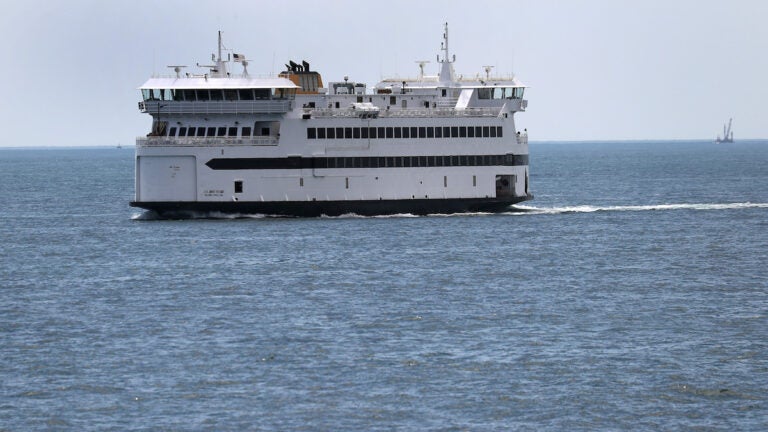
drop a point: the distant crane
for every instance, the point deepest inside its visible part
(727, 133)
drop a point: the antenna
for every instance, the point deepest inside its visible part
(177, 69)
(446, 70)
(421, 64)
(219, 45)
(487, 72)
(444, 45)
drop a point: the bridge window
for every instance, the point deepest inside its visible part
(230, 95)
(283, 93)
(321, 133)
(189, 95)
(311, 133)
(211, 131)
(246, 131)
(483, 93)
(182, 132)
(172, 132)
(245, 94)
(348, 133)
(331, 133)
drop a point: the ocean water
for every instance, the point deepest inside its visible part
(631, 294)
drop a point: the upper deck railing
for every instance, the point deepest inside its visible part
(522, 138)
(216, 107)
(401, 113)
(164, 141)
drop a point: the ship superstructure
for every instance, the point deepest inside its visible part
(288, 145)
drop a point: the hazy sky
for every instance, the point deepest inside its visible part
(598, 69)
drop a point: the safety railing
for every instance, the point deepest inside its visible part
(408, 113)
(215, 107)
(522, 138)
(163, 141)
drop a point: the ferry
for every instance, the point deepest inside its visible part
(222, 141)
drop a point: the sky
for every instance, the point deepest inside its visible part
(597, 69)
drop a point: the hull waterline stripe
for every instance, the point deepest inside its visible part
(333, 208)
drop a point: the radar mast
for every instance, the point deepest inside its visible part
(446, 71)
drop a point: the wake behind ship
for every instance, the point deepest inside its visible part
(288, 145)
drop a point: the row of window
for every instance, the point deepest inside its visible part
(421, 161)
(500, 93)
(193, 95)
(368, 162)
(211, 131)
(405, 132)
(245, 131)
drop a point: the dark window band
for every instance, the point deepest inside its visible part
(297, 162)
(406, 132)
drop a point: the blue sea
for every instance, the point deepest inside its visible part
(630, 294)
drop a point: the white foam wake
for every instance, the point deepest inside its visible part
(523, 209)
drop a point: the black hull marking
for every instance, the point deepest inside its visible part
(182, 210)
(297, 162)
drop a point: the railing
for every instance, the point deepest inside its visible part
(397, 113)
(447, 103)
(163, 141)
(522, 138)
(216, 107)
